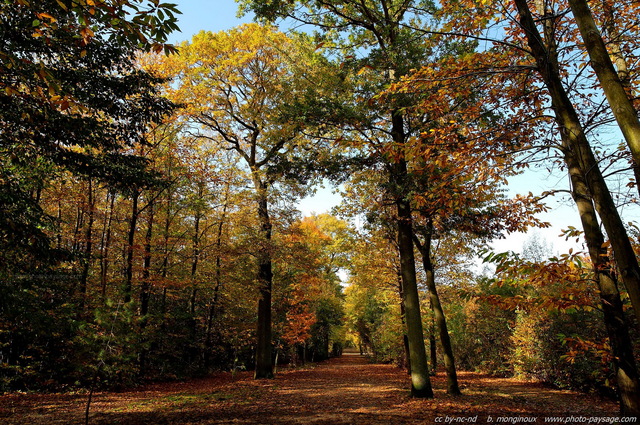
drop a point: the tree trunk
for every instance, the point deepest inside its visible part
(420, 381)
(616, 324)
(433, 349)
(588, 184)
(195, 258)
(145, 288)
(405, 339)
(573, 135)
(146, 271)
(133, 220)
(614, 89)
(88, 247)
(218, 280)
(105, 246)
(264, 366)
(441, 322)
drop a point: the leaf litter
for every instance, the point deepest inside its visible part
(344, 390)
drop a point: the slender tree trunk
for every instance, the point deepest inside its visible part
(59, 220)
(614, 44)
(145, 287)
(405, 339)
(133, 221)
(620, 62)
(106, 244)
(146, 271)
(264, 366)
(75, 243)
(573, 135)
(164, 266)
(218, 279)
(615, 321)
(433, 349)
(193, 323)
(614, 89)
(441, 322)
(587, 186)
(88, 248)
(420, 381)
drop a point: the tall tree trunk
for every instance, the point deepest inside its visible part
(588, 184)
(264, 366)
(619, 61)
(441, 321)
(106, 245)
(164, 266)
(405, 338)
(433, 347)
(59, 220)
(614, 88)
(133, 221)
(145, 287)
(88, 247)
(193, 323)
(573, 135)
(420, 381)
(218, 279)
(615, 45)
(615, 321)
(76, 242)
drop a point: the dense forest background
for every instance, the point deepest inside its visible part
(148, 192)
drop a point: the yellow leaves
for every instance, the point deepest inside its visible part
(364, 70)
(11, 91)
(87, 34)
(44, 15)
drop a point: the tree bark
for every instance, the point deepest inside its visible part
(133, 220)
(615, 321)
(195, 259)
(420, 381)
(405, 339)
(218, 286)
(573, 135)
(614, 88)
(264, 365)
(106, 245)
(588, 184)
(88, 247)
(145, 288)
(441, 321)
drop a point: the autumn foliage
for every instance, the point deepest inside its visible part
(148, 195)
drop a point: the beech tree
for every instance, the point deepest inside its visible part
(613, 86)
(67, 81)
(234, 85)
(543, 45)
(379, 26)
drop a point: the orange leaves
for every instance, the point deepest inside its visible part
(234, 84)
(557, 284)
(299, 319)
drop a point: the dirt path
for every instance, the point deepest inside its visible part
(345, 390)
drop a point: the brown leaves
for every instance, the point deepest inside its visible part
(345, 390)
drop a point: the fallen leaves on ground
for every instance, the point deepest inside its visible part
(344, 390)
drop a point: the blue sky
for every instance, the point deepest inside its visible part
(219, 15)
(210, 15)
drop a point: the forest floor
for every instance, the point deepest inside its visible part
(344, 390)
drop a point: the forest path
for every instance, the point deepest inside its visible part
(344, 390)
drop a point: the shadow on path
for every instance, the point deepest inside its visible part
(344, 390)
